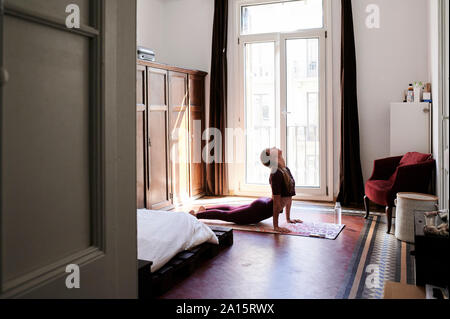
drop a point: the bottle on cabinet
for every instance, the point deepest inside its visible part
(417, 92)
(418, 89)
(427, 93)
(410, 94)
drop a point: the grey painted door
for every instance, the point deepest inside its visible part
(68, 157)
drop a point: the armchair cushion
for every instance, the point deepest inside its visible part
(414, 178)
(379, 191)
(411, 159)
(414, 158)
(384, 168)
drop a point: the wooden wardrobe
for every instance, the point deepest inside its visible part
(170, 116)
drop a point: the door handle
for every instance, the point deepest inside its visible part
(426, 110)
(4, 76)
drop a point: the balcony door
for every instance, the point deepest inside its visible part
(283, 85)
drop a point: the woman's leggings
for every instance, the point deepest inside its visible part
(253, 213)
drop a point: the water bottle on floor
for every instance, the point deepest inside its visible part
(338, 214)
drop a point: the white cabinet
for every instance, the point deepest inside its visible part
(410, 128)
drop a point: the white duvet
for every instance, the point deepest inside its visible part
(162, 235)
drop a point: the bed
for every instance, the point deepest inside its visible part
(170, 246)
(162, 235)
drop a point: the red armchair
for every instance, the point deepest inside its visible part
(410, 173)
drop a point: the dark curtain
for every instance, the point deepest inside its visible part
(216, 177)
(351, 180)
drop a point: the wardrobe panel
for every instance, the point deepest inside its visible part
(141, 85)
(196, 128)
(159, 187)
(179, 135)
(157, 82)
(141, 120)
(159, 182)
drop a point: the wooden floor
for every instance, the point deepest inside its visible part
(275, 266)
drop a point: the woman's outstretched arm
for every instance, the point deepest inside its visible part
(288, 213)
(277, 208)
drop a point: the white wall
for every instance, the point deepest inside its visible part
(188, 28)
(179, 31)
(388, 59)
(150, 26)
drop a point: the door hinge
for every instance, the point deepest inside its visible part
(171, 196)
(328, 193)
(149, 142)
(239, 41)
(326, 34)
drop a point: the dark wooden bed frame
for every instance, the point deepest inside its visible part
(152, 285)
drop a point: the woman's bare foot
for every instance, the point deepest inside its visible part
(193, 213)
(202, 209)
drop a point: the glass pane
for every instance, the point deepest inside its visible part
(303, 126)
(281, 17)
(259, 107)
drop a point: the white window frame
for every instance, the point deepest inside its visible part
(237, 104)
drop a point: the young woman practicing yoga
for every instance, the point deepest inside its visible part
(283, 189)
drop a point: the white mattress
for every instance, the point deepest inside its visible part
(162, 235)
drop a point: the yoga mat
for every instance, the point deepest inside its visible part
(307, 229)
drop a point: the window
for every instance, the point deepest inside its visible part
(282, 59)
(286, 16)
(313, 57)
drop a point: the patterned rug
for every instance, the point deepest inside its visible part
(307, 229)
(378, 257)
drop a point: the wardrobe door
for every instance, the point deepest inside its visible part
(179, 136)
(141, 136)
(158, 195)
(196, 128)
